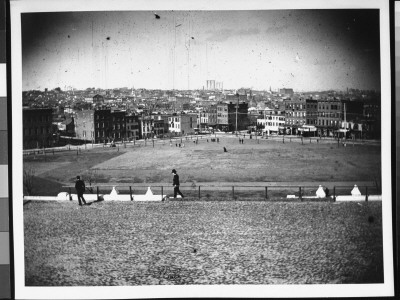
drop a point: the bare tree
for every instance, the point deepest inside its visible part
(90, 178)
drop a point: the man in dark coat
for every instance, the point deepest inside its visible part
(80, 189)
(175, 183)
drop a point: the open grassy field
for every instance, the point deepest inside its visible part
(254, 161)
(193, 242)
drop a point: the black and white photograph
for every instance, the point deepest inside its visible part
(201, 149)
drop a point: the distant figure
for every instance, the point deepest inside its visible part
(242, 141)
(225, 150)
(175, 183)
(217, 140)
(326, 191)
(179, 145)
(176, 145)
(80, 189)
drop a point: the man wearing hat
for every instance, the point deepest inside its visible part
(175, 183)
(80, 189)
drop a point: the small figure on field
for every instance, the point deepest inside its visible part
(80, 189)
(225, 150)
(175, 183)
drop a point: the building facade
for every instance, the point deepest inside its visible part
(311, 112)
(273, 121)
(182, 124)
(330, 116)
(37, 128)
(231, 117)
(84, 125)
(295, 114)
(132, 127)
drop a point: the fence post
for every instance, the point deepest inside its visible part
(366, 194)
(334, 193)
(130, 193)
(97, 188)
(266, 192)
(233, 192)
(301, 199)
(70, 195)
(199, 192)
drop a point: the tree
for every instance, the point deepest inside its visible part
(90, 178)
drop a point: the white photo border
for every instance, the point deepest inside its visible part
(264, 291)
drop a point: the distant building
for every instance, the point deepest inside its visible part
(84, 125)
(37, 127)
(146, 126)
(372, 120)
(272, 121)
(117, 130)
(330, 115)
(182, 124)
(98, 99)
(295, 113)
(311, 112)
(286, 91)
(229, 115)
(101, 125)
(208, 117)
(133, 131)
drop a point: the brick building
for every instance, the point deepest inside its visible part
(133, 131)
(330, 116)
(311, 112)
(228, 114)
(295, 113)
(37, 127)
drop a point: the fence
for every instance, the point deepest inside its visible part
(231, 192)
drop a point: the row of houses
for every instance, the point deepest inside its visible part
(327, 117)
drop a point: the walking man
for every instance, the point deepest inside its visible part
(175, 183)
(80, 189)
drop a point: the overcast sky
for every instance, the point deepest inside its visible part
(300, 49)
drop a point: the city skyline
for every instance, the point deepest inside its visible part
(307, 50)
